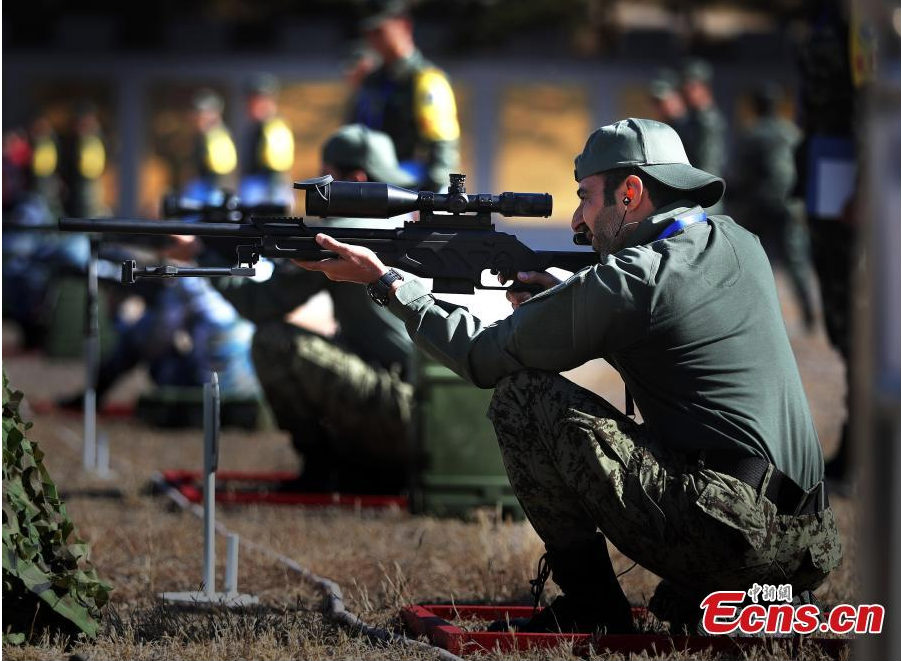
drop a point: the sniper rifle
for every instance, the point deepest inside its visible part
(453, 241)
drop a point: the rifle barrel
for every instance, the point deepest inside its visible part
(133, 226)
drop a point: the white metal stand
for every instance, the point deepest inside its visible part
(91, 361)
(208, 596)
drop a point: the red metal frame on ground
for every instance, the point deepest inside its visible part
(269, 488)
(432, 621)
(121, 410)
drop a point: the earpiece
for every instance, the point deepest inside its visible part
(627, 199)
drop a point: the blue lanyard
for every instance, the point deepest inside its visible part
(681, 223)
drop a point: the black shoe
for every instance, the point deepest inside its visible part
(568, 615)
(309, 482)
(372, 481)
(319, 472)
(71, 402)
(682, 612)
(592, 599)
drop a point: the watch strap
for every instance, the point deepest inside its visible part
(380, 289)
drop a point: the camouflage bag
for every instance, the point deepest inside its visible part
(48, 583)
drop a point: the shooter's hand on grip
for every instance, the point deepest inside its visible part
(527, 284)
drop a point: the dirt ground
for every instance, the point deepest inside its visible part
(142, 545)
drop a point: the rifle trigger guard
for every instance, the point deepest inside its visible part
(247, 256)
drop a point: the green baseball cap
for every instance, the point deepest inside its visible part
(377, 11)
(356, 146)
(655, 149)
(262, 84)
(665, 83)
(207, 99)
(696, 69)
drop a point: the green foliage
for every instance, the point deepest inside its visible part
(48, 583)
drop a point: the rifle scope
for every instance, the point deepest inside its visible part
(326, 197)
(226, 207)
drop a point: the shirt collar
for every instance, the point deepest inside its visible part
(651, 227)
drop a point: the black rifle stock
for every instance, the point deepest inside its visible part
(453, 249)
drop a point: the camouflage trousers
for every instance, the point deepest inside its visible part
(577, 464)
(325, 394)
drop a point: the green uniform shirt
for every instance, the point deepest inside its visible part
(705, 140)
(765, 163)
(691, 322)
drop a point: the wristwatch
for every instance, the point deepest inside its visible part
(378, 291)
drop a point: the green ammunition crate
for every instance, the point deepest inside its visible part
(65, 328)
(459, 462)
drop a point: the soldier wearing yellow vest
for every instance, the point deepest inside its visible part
(83, 162)
(408, 98)
(270, 148)
(215, 158)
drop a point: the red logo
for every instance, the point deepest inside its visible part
(725, 612)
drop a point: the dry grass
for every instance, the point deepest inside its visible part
(143, 545)
(383, 560)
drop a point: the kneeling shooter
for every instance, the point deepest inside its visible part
(721, 487)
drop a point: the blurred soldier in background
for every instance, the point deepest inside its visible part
(408, 98)
(345, 400)
(24, 281)
(181, 330)
(828, 179)
(705, 132)
(45, 163)
(214, 155)
(16, 168)
(83, 160)
(33, 260)
(668, 102)
(270, 148)
(762, 184)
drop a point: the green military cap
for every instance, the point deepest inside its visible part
(376, 11)
(355, 146)
(664, 83)
(697, 70)
(207, 99)
(655, 149)
(264, 84)
(766, 98)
